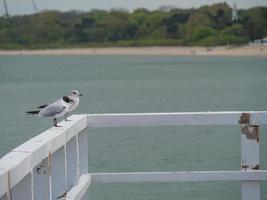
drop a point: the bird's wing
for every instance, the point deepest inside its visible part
(45, 105)
(52, 109)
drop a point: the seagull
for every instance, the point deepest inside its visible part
(74, 96)
(54, 110)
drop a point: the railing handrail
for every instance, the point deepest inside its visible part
(177, 119)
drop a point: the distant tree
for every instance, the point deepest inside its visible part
(116, 26)
(197, 21)
(80, 31)
(174, 21)
(219, 14)
(207, 25)
(235, 29)
(202, 33)
(141, 10)
(255, 22)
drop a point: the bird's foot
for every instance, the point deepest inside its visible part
(57, 125)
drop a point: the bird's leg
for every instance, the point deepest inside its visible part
(55, 122)
(66, 117)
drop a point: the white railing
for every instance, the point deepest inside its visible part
(55, 163)
(48, 165)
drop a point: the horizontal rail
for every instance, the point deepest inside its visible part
(177, 119)
(192, 176)
(78, 191)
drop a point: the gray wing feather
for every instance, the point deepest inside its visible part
(52, 110)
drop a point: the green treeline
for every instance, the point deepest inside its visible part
(205, 26)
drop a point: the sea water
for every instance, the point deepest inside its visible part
(123, 84)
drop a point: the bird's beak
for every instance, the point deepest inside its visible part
(80, 95)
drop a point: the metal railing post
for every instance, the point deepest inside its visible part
(83, 153)
(58, 179)
(71, 163)
(250, 156)
(41, 188)
(23, 190)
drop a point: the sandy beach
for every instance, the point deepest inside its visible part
(249, 50)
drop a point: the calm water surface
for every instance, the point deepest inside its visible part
(141, 84)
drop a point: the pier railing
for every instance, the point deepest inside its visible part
(54, 164)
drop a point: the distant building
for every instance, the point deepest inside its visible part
(234, 13)
(264, 41)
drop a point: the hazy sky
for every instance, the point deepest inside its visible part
(25, 6)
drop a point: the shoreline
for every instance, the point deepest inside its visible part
(248, 50)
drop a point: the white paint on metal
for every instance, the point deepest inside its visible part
(250, 190)
(32, 198)
(250, 151)
(78, 191)
(41, 188)
(83, 153)
(16, 165)
(172, 119)
(58, 179)
(71, 161)
(250, 160)
(23, 190)
(3, 182)
(20, 161)
(66, 166)
(63, 153)
(78, 156)
(192, 176)
(49, 162)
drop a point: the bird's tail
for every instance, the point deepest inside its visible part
(35, 112)
(42, 106)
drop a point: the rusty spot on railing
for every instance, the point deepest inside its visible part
(251, 132)
(40, 170)
(244, 167)
(257, 167)
(244, 118)
(49, 162)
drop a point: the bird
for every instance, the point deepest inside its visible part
(54, 110)
(75, 97)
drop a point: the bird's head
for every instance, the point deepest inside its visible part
(75, 93)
